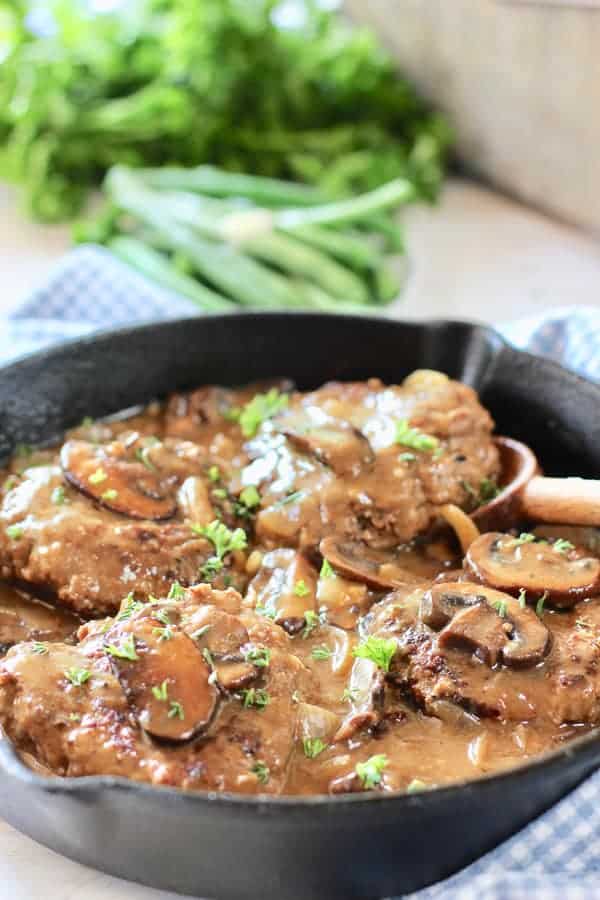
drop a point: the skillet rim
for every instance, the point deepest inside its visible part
(10, 762)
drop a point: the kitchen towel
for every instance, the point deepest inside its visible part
(556, 857)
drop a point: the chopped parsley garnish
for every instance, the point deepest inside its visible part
(175, 710)
(10, 483)
(370, 772)
(300, 588)
(176, 592)
(211, 568)
(258, 656)
(58, 495)
(163, 634)
(163, 616)
(313, 746)
(261, 770)
(254, 697)
(77, 677)
(415, 786)
(522, 598)
(326, 570)
(126, 650)
(207, 655)
(266, 609)
(311, 621)
(294, 497)
(378, 650)
(86, 422)
(15, 532)
(250, 497)
(232, 414)
(407, 457)
(141, 454)
(220, 493)
(562, 546)
(488, 489)
(539, 606)
(259, 409)
(524, 538)
(161, 691)
(74, 717)
(214, 473)
(414, 438)
(222, 538)
(500, 607)
(321, 653)
(39, 647)
(131, 605)
(98, 476)
(110, 494)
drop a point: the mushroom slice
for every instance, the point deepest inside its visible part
(194, 502)
(166, 682)
(334, 442)
(222, 640)
(356, 561)
(490, 623)
(366, 692)
(284, 589)
(126, 486)
(538, 567)
(315, 722)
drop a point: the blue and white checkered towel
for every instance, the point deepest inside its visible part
(556, 857)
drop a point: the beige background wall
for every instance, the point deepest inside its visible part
(522, 84)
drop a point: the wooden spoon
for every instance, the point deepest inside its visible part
(527, 494)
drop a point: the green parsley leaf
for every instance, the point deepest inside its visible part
(300, 588)
(141, 454)
(378, 650)
(524, 538)
(407, 457)
(163, 634)
(58, 495)
(15, 532)
(267, 610)
(176, 592)
(250, 497)
(98, 476)
(254, 697)
(10, 483)
(200, 632)
(261, 770)
(562, 546)
(131, 606)
(222, 538)
(522, 598)
(539, 606)
(294, 497)
(321, 653)
(313, 746)
(175, 710)
(370, 772)
(125, 651)
(326, 570)
(77, 677)
(261, 408)
(415, 439)
(488, 490)
(349, 695)
(110, 494)
(500, 607)
(311, 621)
(214, 473)
(39, 647)
(220, 493)
(258, 656)
(161, 691)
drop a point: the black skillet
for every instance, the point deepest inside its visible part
(359, 846)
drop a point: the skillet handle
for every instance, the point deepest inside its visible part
(562, 500)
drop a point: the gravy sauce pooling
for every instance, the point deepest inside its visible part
(256, 590)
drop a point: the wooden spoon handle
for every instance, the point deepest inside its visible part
(573, 501)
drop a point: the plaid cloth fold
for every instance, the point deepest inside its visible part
(556, 857)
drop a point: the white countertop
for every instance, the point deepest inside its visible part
(475, 256)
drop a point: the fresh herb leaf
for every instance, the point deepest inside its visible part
(539, 606)
(326, 570)
(220, 493)
(258, 656)
(10, 483)
(349, 695)
(126, 650)
(261, 770)
(222, 538)
(524, 538)
(175, 710)
(110, 494)
(407, 457)
(321, 653)
(161, 691)
(40, 648)
(379, 650)
(522, 598)
(163, 634)
(370, 772)
(261, 408)
(313, 746)
(141, 454)
(176, 592)
(562, 546)
(214, 473)
(98, 476)
(255, 697)
(294, 497)
(300, 588)
(266, 609)
(415, 786)
(488, 490)
(250, 497)
(77, 677)
(500, 607)
(200, 632)
(414, 438)
(15, 532)
(311, 621)
(129, 606)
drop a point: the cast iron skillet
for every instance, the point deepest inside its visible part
(359, 846)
